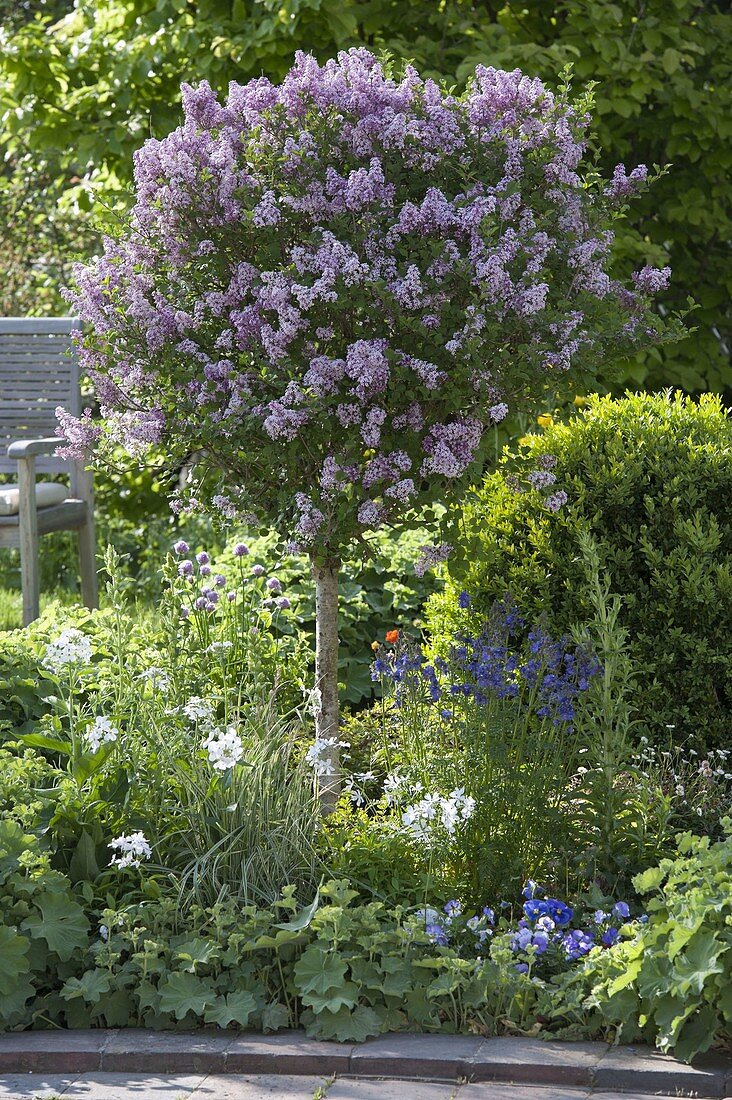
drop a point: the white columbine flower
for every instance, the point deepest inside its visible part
(132, 849)
(320, 752)
(100, 732)
(72, 647)
(224, 748)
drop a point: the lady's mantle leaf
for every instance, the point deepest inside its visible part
(62, 924)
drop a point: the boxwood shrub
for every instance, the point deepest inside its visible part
(650, 475)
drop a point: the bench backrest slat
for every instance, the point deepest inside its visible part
(39, 371)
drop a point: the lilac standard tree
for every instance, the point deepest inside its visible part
(330, 290)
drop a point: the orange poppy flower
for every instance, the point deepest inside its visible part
(392, 636)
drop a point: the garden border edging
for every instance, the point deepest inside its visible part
(407, 1055)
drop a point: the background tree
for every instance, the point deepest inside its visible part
(333, 287)
(78, 96)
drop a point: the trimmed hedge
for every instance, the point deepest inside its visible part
(650, 475)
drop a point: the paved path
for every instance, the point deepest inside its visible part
(133, 1086)
(135, 1064)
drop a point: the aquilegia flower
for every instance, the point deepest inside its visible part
(72, 647)
(132, 850)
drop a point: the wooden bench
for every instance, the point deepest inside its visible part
(38, 372)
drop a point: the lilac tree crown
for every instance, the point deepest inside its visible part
(332, 288)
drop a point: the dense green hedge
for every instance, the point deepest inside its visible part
(651, 477)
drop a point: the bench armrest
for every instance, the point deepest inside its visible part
(25, 448)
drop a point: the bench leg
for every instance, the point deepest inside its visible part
(28, 524)
(88, 563)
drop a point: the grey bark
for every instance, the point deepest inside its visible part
(325, 575)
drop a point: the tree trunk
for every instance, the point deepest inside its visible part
(325, 576)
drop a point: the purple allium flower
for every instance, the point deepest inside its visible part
(185, 568)
(185, 612)
(205, 570)
(241, 550)
(219, 580)
(231, 596)
(181, 547)
(274, 585)
(258, 570)
(213, 597)
(283, 603)
(201, 603)
(202, 558)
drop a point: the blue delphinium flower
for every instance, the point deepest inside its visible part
(464, 600)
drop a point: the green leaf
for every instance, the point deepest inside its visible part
(345, 1025)
(61, 924)
(90, 986)
(303, 919)
(699, 961)
(318, 971)
(275, 1016)
(345, 995)
(197, 951)
(83, 866)
(41, 741)
(237, 1008)
(182, 993)
(13, 961)
(14, 843)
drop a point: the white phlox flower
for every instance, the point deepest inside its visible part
(72, 647)
(224, 748)
(132, 850)
(100, 732)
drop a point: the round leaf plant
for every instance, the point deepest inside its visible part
(331, 289)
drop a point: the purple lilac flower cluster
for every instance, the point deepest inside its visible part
(495, 664)
(326, 285)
